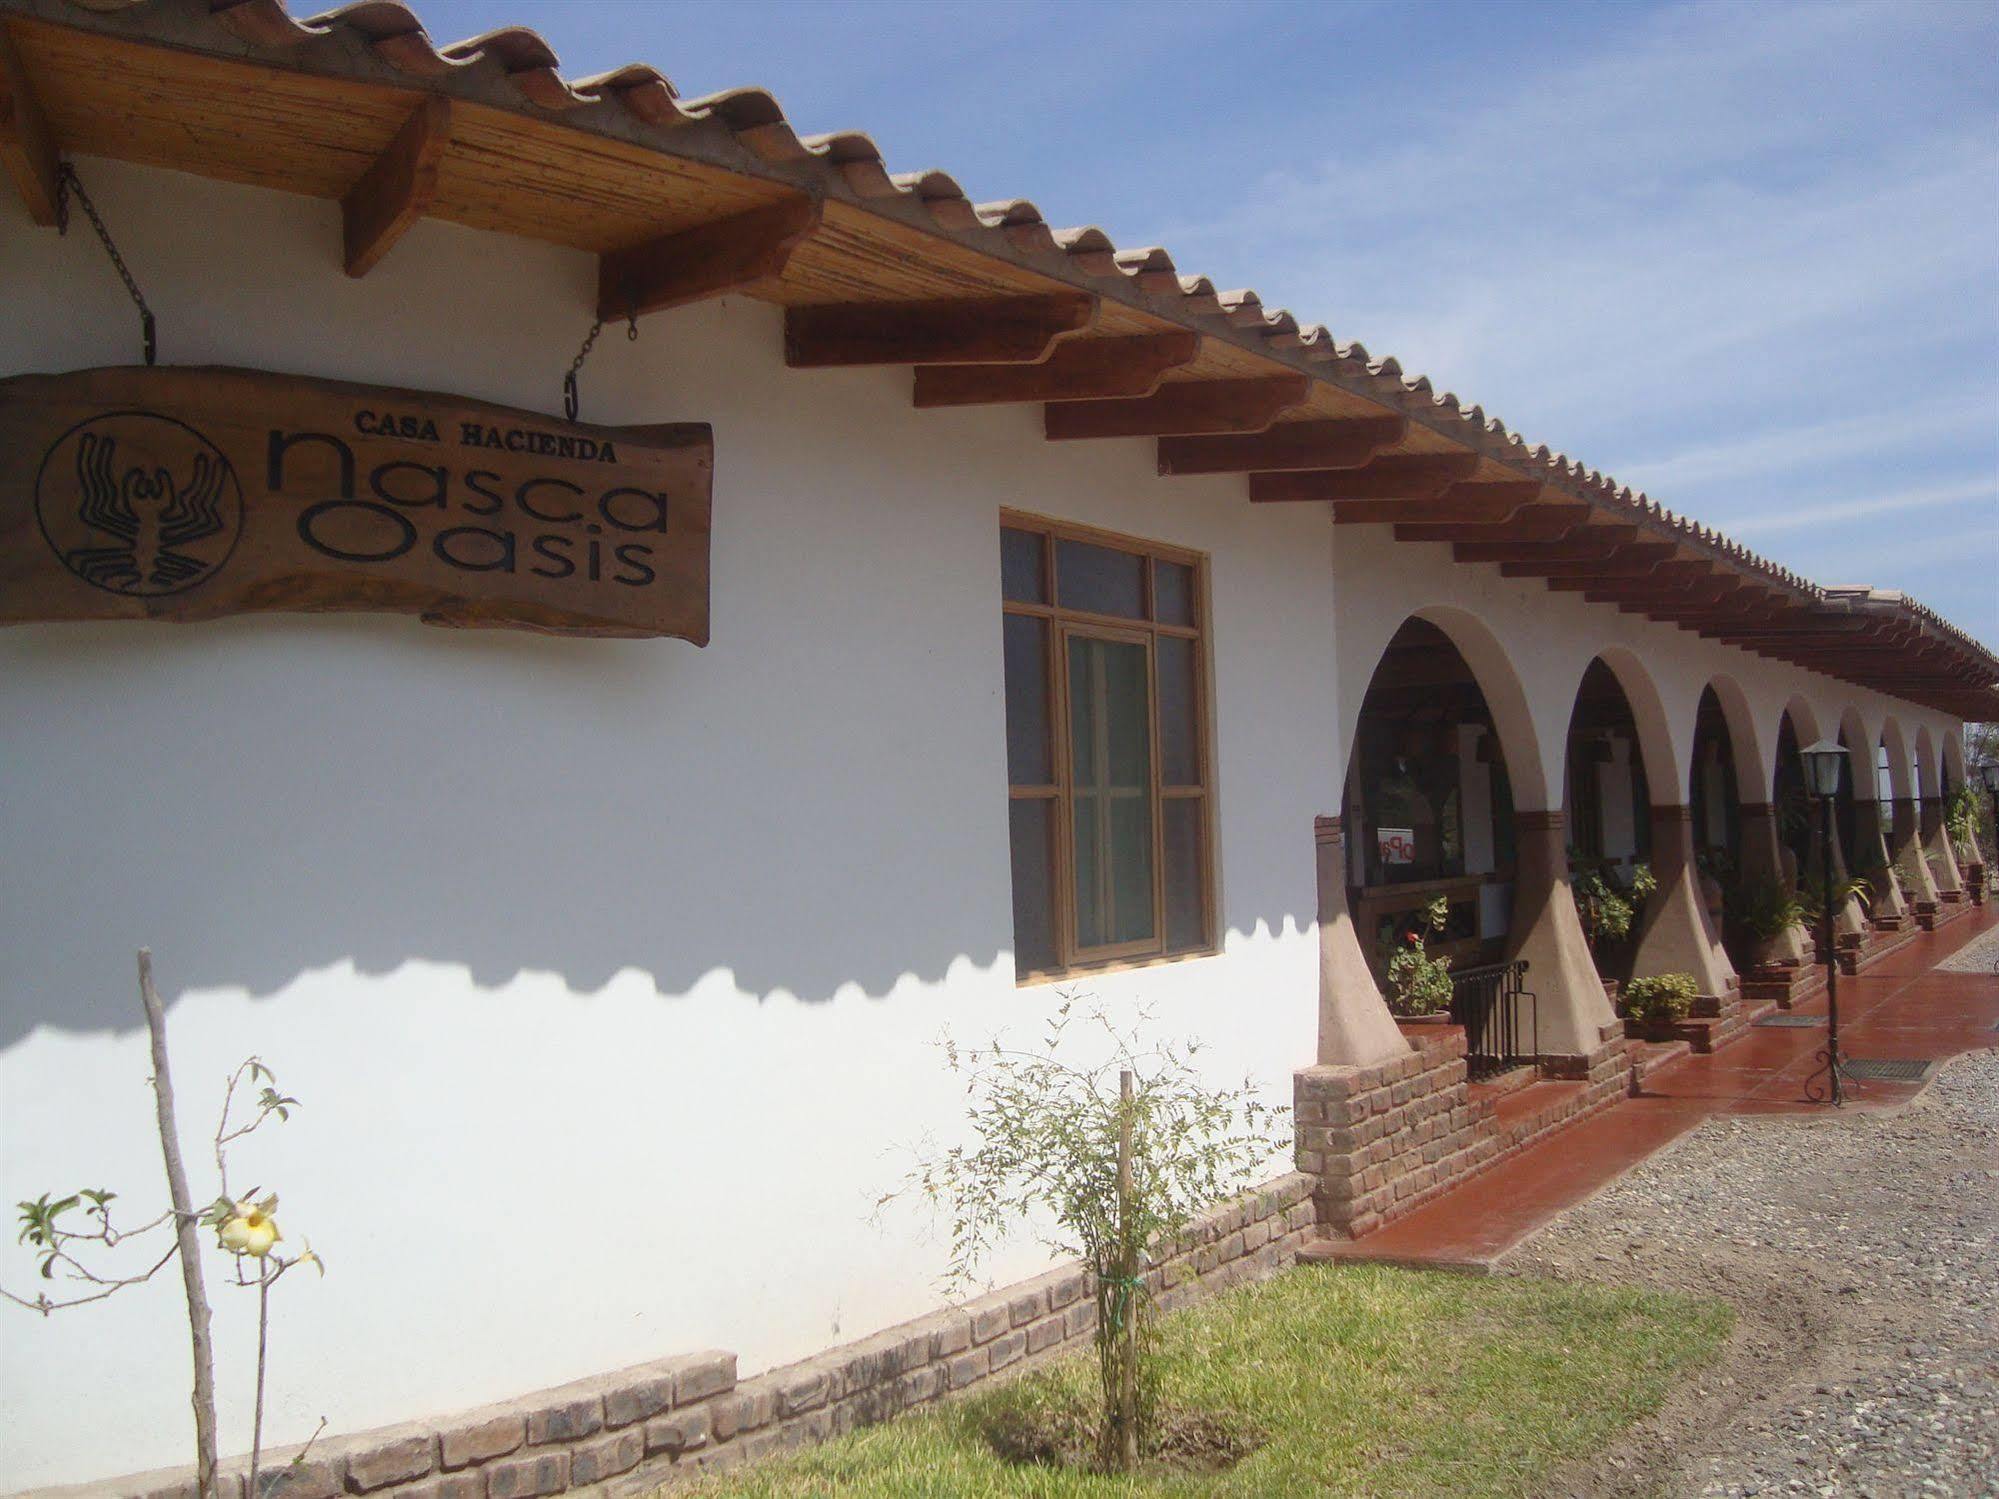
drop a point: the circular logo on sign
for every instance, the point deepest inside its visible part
(137, 503)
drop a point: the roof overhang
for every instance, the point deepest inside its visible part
(687, 199)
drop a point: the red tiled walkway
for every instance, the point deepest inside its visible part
(1899, 1008)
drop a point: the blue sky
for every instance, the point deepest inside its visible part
(1744, 256)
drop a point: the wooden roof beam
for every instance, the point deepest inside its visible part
(966, 330)
(1586, 544)
(1655, 576)
(1077, 369)
(1637, 560)
(1400, 478)
(1480, 507)
(27, 145)
(1792, 632)
(397, 188)
(1333, 443)
(1180, 408)
(707, 260)
(1549, 520)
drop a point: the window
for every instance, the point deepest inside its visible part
(1106, 748)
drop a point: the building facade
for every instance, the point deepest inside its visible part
(1140, 645)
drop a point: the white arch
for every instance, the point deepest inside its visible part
(1952, 757)
(1498, 683)
(1861, 744)
(1897, 745)
(1745, 746)
(1927, 785)
(1648, 712)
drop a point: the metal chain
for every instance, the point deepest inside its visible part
(67, 182)
(569, 401)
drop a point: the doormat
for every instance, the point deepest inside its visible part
(1799, 1021)
(1889, 1069)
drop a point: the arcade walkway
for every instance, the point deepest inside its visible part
(1898, 1009)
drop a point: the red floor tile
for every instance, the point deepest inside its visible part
(1899, 1008)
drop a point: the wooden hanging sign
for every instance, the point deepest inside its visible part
(186, 494)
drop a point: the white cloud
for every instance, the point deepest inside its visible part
(1867, 434)
(1797, 517)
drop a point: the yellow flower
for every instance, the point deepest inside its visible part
(252, 1230)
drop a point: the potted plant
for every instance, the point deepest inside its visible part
(1767, 911)
(1657, 1004)
(1607, 912)
(1419, 984)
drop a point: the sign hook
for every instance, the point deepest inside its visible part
(67, 182)
(569, 394)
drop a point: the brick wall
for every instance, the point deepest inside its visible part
(1383, 1139)
(632, 1431)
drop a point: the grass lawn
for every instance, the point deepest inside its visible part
(1366, 1380)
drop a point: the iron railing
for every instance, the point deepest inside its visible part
(1487, 1001)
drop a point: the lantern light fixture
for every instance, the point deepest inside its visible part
(1822, 762)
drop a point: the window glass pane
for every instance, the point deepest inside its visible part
(1100, 580)
(1186, 900)
(1179, 730)
(1033, 838)
(1111, 768)
(1132, 916)
(1022, 567)
(1029, 761)
(1173, 593)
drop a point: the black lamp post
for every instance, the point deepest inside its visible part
(1822, 762)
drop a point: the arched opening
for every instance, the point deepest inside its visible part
(1712, 790)
(1861, 818)
(1433, 848)
(1429, 805)
(1901, 823)
(1607, 805)
(1791, 801)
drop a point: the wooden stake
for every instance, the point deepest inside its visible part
(1128, 1374)
(184, 1231)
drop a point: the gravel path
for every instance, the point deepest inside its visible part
(1862, 1254)
(1980, 955)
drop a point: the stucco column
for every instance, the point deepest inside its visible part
(1935, 840)
(1571, 1006)
(1355, 1027)
(1763, 863)
(1907, 849)
(1870, 858)
(1678, 935)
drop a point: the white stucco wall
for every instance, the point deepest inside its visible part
(609, 972)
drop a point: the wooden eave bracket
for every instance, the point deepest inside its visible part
(1076, 369)
(1180, 408)
(397, 189)
(1480, 510)
(1401, 477)
(1331, 443)
(1541, 521)
(706, 260)
(964, 330)
(27, 146)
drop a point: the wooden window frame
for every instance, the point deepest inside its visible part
(1063, 624)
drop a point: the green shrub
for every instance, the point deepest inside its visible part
(1665, 996)
(1765, 908)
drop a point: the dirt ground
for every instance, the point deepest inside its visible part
(1862, 1255)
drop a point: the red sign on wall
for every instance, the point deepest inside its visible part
(1395, 845)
